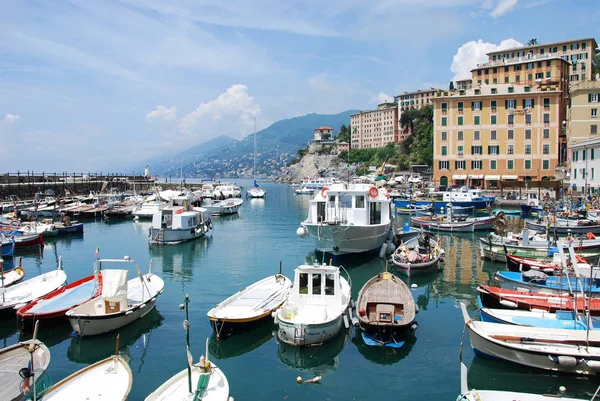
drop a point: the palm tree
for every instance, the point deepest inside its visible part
(532, 42)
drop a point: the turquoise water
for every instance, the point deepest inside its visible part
(246, 248)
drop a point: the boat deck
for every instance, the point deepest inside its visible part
(257, 300)
(10, 364)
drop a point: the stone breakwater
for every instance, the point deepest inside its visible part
(313, 165)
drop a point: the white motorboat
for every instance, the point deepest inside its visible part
(223, 207)
(250, 306)
(560, 350)
(16, 359)
(202, 381)
(179, 222)
(225, 191)
(348, 218)
(304, 191)
(207, 190)
(121, 302)
(14, 297)
(109, 379)
(148, 208)
(46, 227)
(315, 309)
(256, 192)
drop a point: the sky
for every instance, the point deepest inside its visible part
(91, 85)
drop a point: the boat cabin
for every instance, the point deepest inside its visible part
(359, 204)
(178, 216)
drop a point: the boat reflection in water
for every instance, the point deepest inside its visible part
(318, 360)
(50, 335)
(256, 202)
(92, 349)
(238, 345)
(487, 374)
(178, 260)
(384, 355)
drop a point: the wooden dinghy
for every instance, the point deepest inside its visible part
(15, 358)
(250, 306)
(202, 381)
(29, 290)
(417, 256)
(11, 276)
(54, 305)
(121, 302)
(109, 379)
(385, 308)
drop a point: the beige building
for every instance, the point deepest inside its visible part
(583, 123)
(412, 100)
(374, 128)
(507, 127)
(464, 84)
(578, 52)
(323, 133)
(343, 146)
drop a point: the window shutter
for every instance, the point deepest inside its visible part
(524, 100)
(532, 103)
(489, 150)
(472, 105)
(590, 98)
(506, 104)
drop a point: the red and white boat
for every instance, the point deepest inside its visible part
(54, 305)
(496, 297)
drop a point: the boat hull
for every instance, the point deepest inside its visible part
(456, 227)
(167, 236)
(309, 334)
(345, 239)
(225, 328)
(565, 230)
(415, 269)
(176, 388)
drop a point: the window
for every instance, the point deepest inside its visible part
(546, 149)
(546, 118)
(460, 149)
(493, 134)
(574, 77)
(528, 103)
(527, 149)
(510, 104)
(546, 164)
(548, 74)
(510, 164)
(444, 165)
(460, 120)
(593, 129)
(478, 91)
(530, 66)
(575, 173)
(505, 80)
(527, 164)
(330, 284)
(461, 92)
(460, 135)
(444, 136)
(583, 154)
(476, 164)
(493, 120)
(575, 158)
(487, 81)
(444, 106)
(492, 164)
(528, 119)
(475, 135)
(444, 121)
(511, 89)
(510, 134)
(444, 151)
(511, 119)
(518, 78)
(594, 112)
(527, 134)
(460, 106)
(360, 201)
(546, 102)
(546, 133)
(476, 120)
(549, 63)
(510, 149)
(592, 173)
(493, 150)
(475, 150)
(529, 78)
(517, 68)
(493, 105)
(316, 283)
(592, 154)
(479, 72)
(460, 164)
(476, 105)
(303, 286)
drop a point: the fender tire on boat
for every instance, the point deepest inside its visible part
(210, 225)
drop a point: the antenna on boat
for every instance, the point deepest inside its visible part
(186, 326)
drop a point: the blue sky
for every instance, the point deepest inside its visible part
(96, 85)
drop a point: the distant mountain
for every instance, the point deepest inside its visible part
(276, 145)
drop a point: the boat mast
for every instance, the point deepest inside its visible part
(254, 166)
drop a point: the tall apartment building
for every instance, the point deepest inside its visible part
(585, 166)
(583, 113)
(413, 100)
(579, 52)
(507, 127)
(374, 128)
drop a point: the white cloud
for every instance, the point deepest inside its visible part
(11, 118)
(162, 113)
(231, 113)
(498, 8)
(382, 98)
(472, 53)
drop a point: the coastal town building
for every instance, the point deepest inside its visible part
(585, 166)
(323, 133)
(507, 127)
(374, 128)
(412, 100)
(583, 120)
(343, 146)
(464, 84)
(579, 53)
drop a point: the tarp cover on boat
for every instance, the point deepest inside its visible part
(114, 285)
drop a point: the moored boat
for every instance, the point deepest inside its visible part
(179, 222)
(250, 306)
(223, 207)
(385, 308)
(314, 311)
(417, 256)
(567, 320)
(11, 276)
(16, 365)
(120, 303)
(449, 226)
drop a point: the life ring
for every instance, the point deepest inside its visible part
(373, 192)
(580, 259)
(532, 203)
(590, 235)
(323, 190)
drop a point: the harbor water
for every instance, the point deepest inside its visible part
(248, 247)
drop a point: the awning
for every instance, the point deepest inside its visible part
(492, 177)
(476, 176)
(459, 177)
(510, 177)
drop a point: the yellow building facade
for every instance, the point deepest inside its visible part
(583, 121)
(506, 127)
(374, 128)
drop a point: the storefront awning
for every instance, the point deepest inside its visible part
(459, 177)
(475, 176)
(510, 177)
(492, 177)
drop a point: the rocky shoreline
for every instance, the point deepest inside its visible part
(313, 165)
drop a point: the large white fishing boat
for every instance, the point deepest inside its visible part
(319, 182)
(178, 222)
(348, 218)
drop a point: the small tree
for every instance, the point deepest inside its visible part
(532, 42)
(451, 86)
